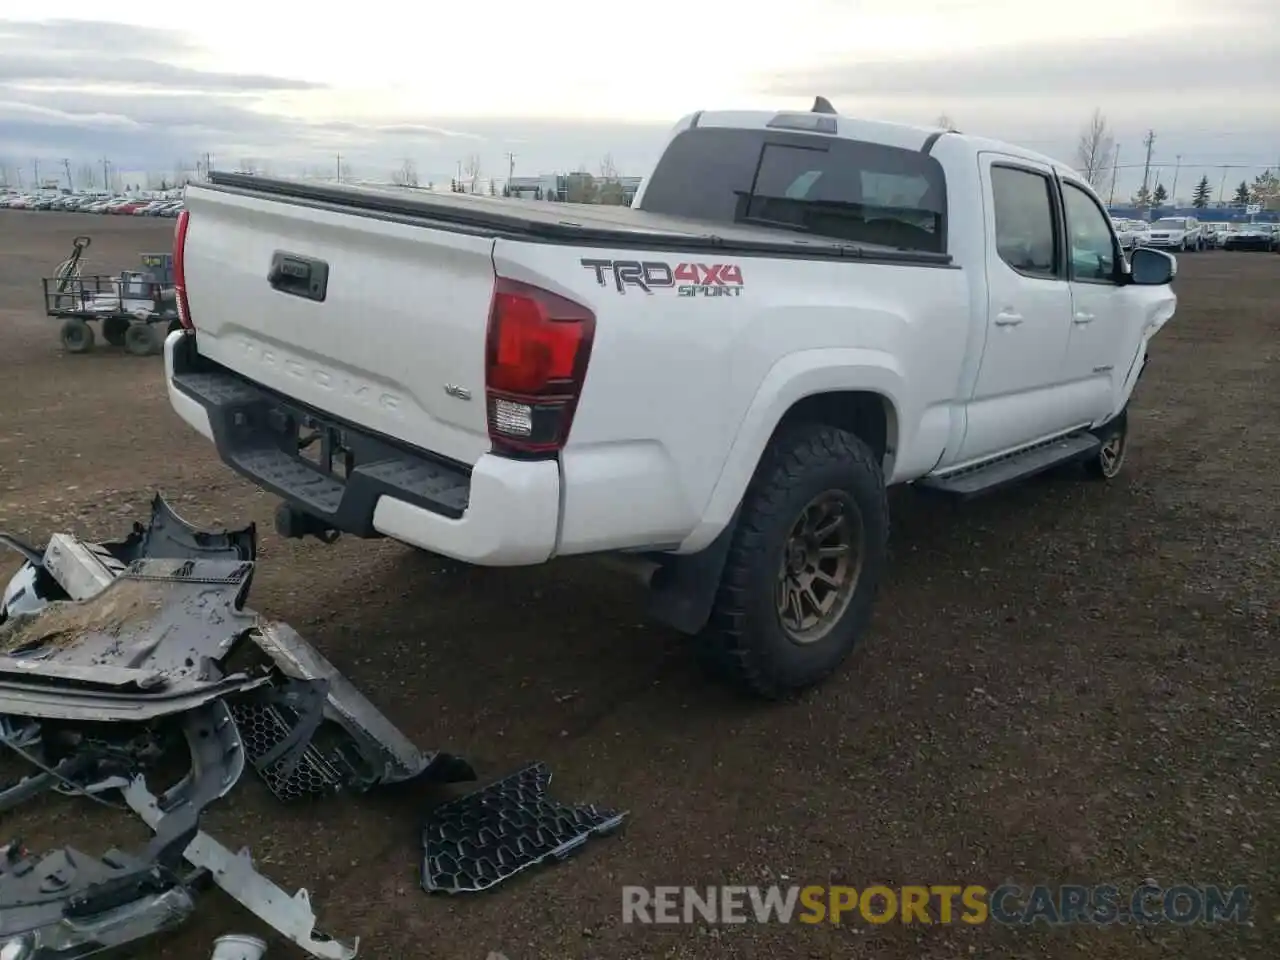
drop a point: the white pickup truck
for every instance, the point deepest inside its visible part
(799, 310)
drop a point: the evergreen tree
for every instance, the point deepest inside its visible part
(1200, 199)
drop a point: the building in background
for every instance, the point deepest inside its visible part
(577, 187)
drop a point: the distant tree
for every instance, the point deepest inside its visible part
(406, 175)
(945, 122)
(493, 188)
(1160, 196)
(1095, 150)
(1142, 198)
(1242, 194)
(472, 170)
(1200, 199)
(453, 185)
(1266, 186)
(537, 193)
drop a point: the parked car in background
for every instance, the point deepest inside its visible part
(1131, 234)
(1177, 233)
(1215, 234)
(1251, 236)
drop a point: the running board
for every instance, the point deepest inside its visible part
(992, 475)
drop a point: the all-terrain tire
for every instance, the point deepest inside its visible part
(142, 340)
(76, 335)
(746, 642)
(1107, 463)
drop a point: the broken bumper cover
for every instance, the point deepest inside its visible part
(502, 512)
(138, 638)
(67, 904)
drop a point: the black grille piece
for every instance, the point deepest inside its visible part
(479, 840)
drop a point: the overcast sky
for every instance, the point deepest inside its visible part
(559, 87)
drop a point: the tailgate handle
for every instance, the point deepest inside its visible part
(299, 276)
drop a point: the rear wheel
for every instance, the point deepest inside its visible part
(804, 565)
(141, 340)
(1107, 463)
(76, 335)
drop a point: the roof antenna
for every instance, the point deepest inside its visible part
(822, 105)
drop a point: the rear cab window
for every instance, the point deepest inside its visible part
(846, 190)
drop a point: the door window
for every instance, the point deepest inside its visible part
(1093, 246)
(1025, 236)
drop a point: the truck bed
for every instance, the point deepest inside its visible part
(539, 220)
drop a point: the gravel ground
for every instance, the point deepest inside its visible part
(1065, 683)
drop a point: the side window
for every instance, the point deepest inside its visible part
(1093, 249)
(1025, 235)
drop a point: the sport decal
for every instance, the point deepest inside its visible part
(688, 279)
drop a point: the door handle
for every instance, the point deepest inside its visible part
(1082, 317)
(1007, 318)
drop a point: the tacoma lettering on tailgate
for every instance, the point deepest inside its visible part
(357, 389)
(688, 279)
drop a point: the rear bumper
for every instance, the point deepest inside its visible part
(499, 512)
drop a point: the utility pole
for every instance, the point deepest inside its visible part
(1173, 192)
(66, 165)
(106, 183)
(511, 167)
(1149, 142)
(339, 168)
(1115, 166)
(1222, 185)
(35, 168)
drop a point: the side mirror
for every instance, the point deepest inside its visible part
(1152, 268)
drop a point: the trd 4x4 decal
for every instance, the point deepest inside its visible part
(688, 279)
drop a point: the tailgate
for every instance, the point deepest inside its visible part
(376, 322)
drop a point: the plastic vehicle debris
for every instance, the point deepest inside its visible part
(238, 946)
(44, 578)
(68, 904)
(112, 652)
(481, 839)
(234, 873)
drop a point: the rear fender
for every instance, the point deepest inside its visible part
(790, 380)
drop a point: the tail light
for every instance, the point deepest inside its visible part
(536, 360)
(180, 269)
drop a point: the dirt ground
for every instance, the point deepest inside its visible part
(1065, 683)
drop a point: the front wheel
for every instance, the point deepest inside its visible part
(804, 565)
(1109, 460)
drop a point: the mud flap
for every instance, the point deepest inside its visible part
(479, 840)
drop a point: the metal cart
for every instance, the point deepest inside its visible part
(136, 308)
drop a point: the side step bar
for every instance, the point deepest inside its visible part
(995, 474)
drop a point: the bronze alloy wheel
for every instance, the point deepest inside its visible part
(820, 566)
(1111, 455)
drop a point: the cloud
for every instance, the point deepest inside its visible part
(12, 113)
(1094, 71)
(86, 52)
